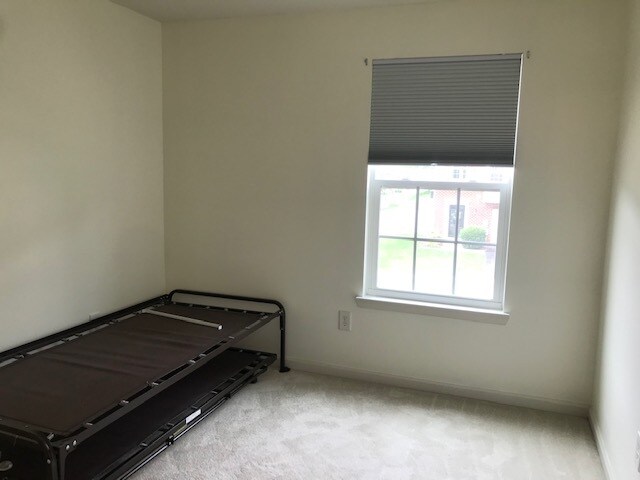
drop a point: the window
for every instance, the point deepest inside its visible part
(435, 240)
(441, 156)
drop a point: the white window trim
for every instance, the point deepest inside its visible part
(479, 315)
(371, 245)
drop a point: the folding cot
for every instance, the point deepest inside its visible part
(99, 400)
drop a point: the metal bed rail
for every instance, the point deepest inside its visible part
(280, 311)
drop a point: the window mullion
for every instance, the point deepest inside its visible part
(415, 240)
(455, 243)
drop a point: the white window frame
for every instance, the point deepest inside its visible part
(374, 190)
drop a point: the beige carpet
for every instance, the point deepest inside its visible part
(306, 426)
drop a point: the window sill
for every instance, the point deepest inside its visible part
(444, 311)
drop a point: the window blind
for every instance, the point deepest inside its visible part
(445, 110)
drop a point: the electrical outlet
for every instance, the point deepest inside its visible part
(344, 320)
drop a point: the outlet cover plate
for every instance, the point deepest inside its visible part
(344, 320)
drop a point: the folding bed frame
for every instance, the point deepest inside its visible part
(100, 400)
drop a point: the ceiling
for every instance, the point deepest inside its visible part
(172, 10)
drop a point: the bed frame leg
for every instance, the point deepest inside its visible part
(283, 366)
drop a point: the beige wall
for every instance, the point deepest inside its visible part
(266, 133)
(616, 408)
(81, 209)
(266, 130)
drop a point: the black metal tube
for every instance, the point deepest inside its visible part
(47, 449)
(283, 366)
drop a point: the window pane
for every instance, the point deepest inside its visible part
(395, 264)
(437, 213)
(397, 212)
(434, 268)
(475, 271)
(481, 210)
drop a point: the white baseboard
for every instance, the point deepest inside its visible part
(604, 456)
(506, 398)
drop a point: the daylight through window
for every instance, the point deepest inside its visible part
(433, 234)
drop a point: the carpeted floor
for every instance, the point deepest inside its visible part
(305, 426)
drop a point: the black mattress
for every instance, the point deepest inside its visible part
(61, 388)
